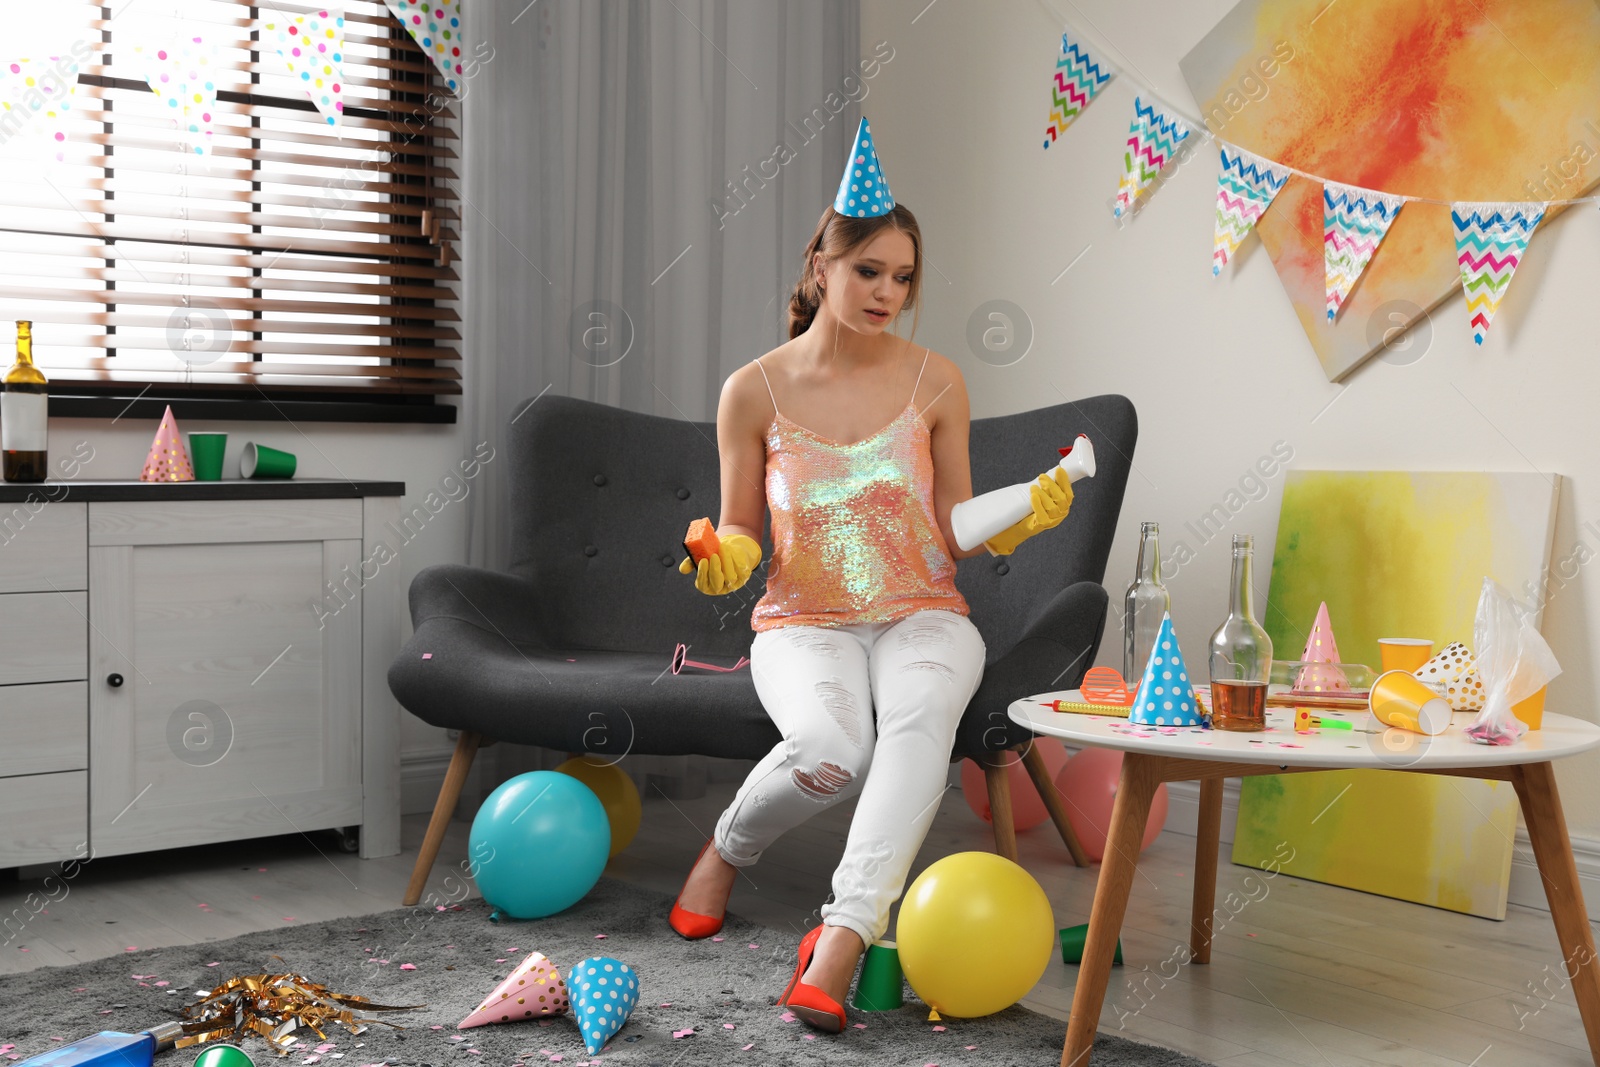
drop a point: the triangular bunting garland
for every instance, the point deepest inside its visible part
(181, 74)
(1321, 652)
(168, 460)
(1153, 136)
(863, 190)
(1245, 189)
(311, 46)
(1078, 77)
(1490, 240)
(40, 93)
(1354, 221)
(436, 27)
(1166, 696)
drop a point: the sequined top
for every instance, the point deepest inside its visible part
(854, 533)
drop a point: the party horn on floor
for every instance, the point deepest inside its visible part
(1072, 941)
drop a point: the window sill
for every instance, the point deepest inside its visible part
(151, 406)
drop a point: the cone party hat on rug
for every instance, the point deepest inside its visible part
(1321, 649)
(168, 460)
(604, 993)
(1453, 674)
(1166, 696)
(532, 990)
(863, 191)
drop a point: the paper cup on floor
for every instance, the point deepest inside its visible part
(882, 983)
(1531, 709)
(1403, 653)
(1072, 942)
(259, 461)
(1399, 700)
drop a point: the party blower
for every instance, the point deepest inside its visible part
(975, 521)
(109, 1048)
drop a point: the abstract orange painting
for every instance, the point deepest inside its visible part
(1448, 100)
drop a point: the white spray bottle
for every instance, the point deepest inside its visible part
(975, 521)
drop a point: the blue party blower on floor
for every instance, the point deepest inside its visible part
(109, 1048)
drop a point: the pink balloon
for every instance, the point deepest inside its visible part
(1027, 806)
(1088, 785)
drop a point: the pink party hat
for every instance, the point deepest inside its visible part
(1321, 648)
(168, 460)
(863, 191)
(534, 989)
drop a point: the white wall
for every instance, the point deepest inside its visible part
(418, 455)
(959, 116)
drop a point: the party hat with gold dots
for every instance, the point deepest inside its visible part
(168, 460)
(863, 192)
(1321, 652)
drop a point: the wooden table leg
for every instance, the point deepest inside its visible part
(1033, 760)
(1208, 838)
(1547, 829)
(1140, 776)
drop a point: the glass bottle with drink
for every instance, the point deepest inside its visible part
(1241, 653)
(1144, 606)
(24, 415)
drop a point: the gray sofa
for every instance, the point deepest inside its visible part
(568, 650)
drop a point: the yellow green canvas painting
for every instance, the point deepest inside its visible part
(1396, 554)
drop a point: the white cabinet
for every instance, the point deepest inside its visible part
(203, 682)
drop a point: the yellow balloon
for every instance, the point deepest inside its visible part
(617, 795)
(975, 934)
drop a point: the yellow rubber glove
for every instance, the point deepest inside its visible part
(1051, 497)
(729, 569)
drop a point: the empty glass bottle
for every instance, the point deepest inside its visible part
(1144, 606)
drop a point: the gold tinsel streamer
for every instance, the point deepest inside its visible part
(274, 1006)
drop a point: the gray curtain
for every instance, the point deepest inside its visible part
(640, 179)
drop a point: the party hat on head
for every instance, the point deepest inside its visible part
(863, 192)
(534, 988)
(1319, 675)
(1453, 674)
(1166, 697)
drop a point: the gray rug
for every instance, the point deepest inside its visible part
(723, 991)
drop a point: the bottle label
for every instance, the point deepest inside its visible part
(23, 417)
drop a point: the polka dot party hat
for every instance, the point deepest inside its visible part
(604, 992)
(1321, 649)
(534, 989)
(863, 191)
(1166, 696)
(168, 460)
(1453, 674)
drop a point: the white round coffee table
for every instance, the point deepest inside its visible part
(1157, 754)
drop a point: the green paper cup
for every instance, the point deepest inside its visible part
(1072, 942)
(881, 986)
(206, 450)
(259, 461)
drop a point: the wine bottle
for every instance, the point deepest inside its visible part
(24, 415)
(1147, 601)
(1241, 653)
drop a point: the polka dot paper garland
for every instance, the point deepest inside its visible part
(436, 27)
(181, 76)
(312, 49)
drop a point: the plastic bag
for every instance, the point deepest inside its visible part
(1513, 660)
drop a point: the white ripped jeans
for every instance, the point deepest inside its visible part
(881, 696)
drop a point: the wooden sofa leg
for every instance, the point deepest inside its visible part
(1005, 828)
(1033, 760)
(443, 808)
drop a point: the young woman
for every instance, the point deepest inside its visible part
(863, 656)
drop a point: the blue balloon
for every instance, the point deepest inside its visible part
(539, 844)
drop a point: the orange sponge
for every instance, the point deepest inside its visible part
(701, 541)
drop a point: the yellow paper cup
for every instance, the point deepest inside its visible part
(1404, 653)
(1398, 699)
(1531, 709)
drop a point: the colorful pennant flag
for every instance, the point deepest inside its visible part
(1490, 241)
(311, 46)
(38, 93)
(1354, 221)
(1153, 136)
(1245, 189)
(181, 74)
(1079, 76)
(436, 27)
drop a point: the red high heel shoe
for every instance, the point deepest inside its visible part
(690, 924)
(807, 1001)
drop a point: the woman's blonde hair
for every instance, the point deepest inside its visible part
(836, 237)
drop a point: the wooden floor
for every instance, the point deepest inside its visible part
(1302, 974)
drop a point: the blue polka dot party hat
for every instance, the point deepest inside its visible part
(1166, 696)
(863, 192)
(604, 992)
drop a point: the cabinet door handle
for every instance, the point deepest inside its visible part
(114, 680)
